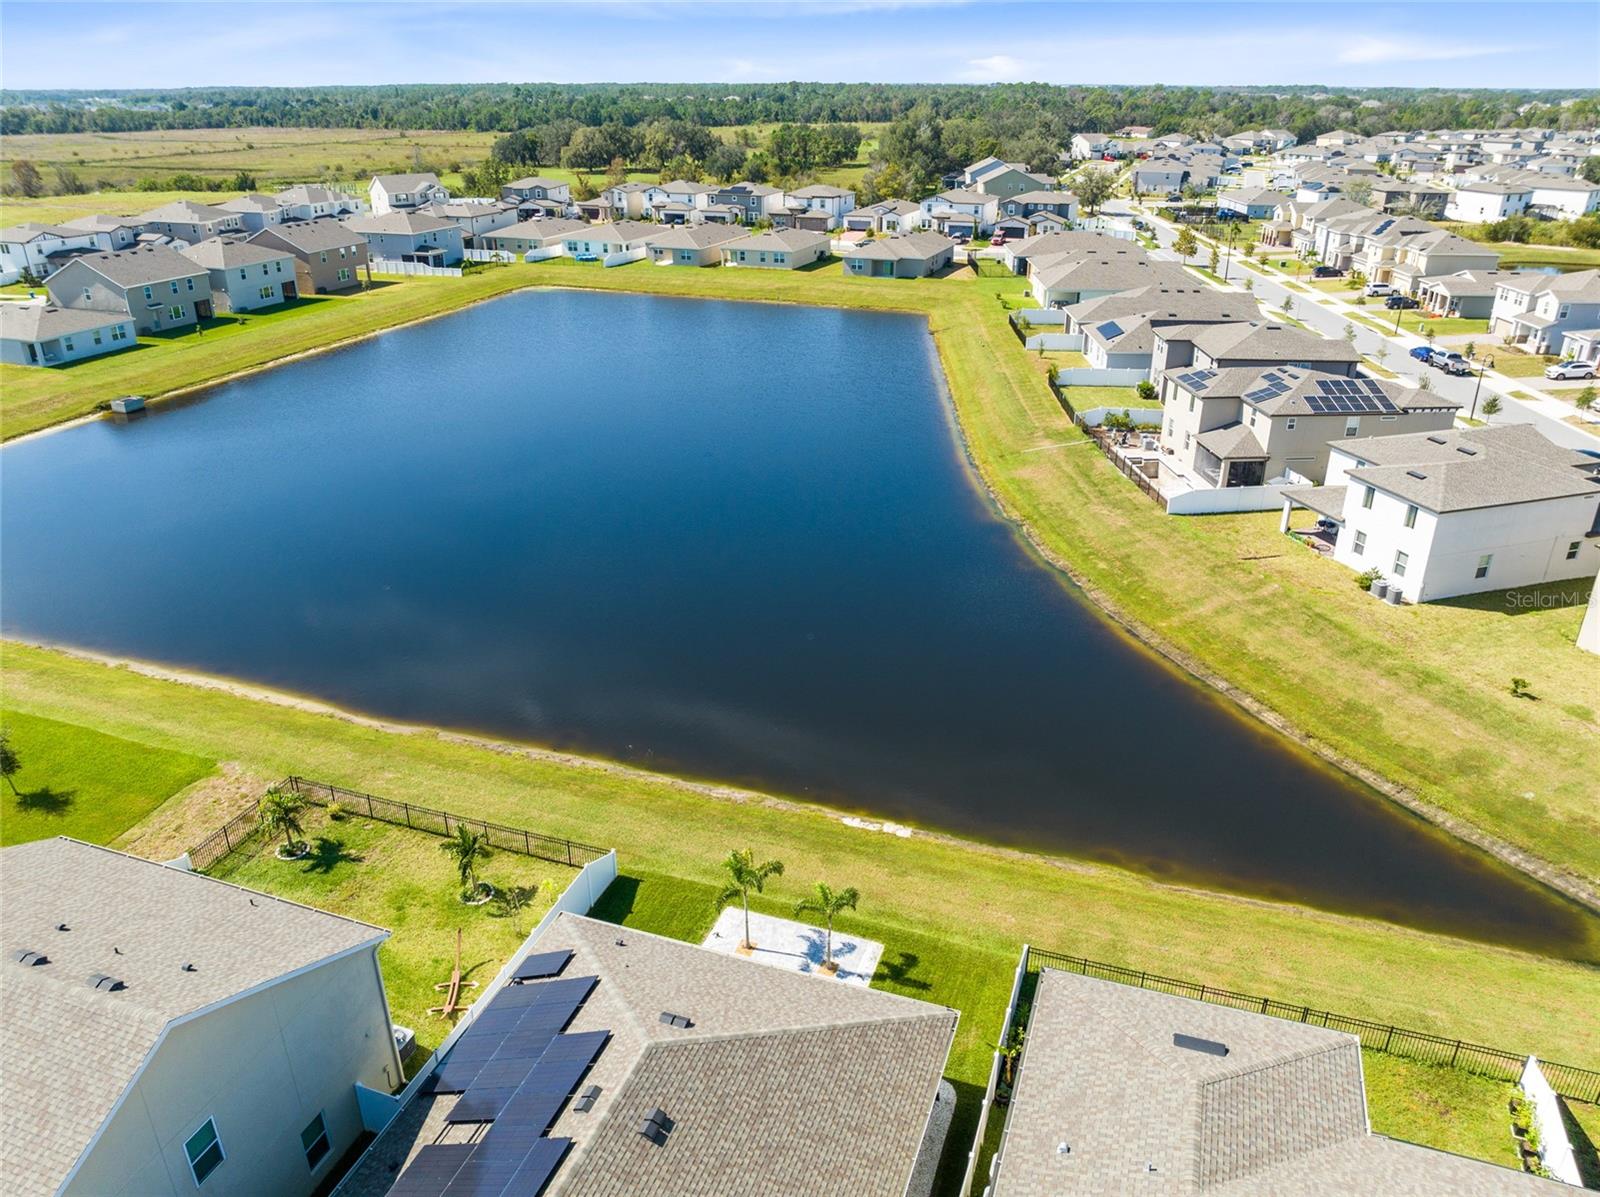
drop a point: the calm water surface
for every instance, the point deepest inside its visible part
(725, 540)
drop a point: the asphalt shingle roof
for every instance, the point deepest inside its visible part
(1457, 470)
(67, 1051)
(216, 253)
(141, 266)
(45, 322)
(314, 236)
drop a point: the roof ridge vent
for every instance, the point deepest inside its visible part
(1467, 449)
(1437, 440)
(104, 983)
(680, 1021)
(1195, 1044)
(657, 1126)
(1418, 474)
(29, 957)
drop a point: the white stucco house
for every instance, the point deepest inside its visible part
(41, 249)
(42, 334)
(404, 193)
(614, 237)
(820, 197)
(1486, 200)
(166, 1033)
(1536, 311)
(1460, 511)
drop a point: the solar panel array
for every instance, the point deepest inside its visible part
(1275, 384)
(515, 1066)
(1197, 380)
(1349, 396)
(1110, 330)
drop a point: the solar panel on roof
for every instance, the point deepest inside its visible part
(542, 964)
(432, 1169)
(481, 1104)
(1110, 330)
(539, 1167)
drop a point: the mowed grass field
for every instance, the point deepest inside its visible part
(952, 915)
(84, 783)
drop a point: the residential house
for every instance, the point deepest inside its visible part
(886, 216)
(835, 201)
(1246, 426)
(1466, 293)
(1136, 131)
(960, 213)
(244, 276)
(797, 216)
(1060, 204)
(719, 214)
(1403, 195)
(410, 237)
(1252, 203)
(1582, 344)
(312, 201)
(755, 201)
(1061, 280)
(1119, 330)
(166, 1032)
(42, 334)
(328, 254)
(405, 193)
(626, 201)
(1159, 176)
(191, 223)
(600, 210)
(1087, 145)
(474, 217)
(1256, 344)
(1011, 178)
(531, 235)
(781, 249)
(1122, 1089)
(41, 249)
(1536, 311)
(109, 232)
(1338, 137)
(1021, 227)
(749, 1080)
(904, 255)
(536, 187)
(680, 195)
(1557, 197)
(1460, 511)
(1018, 254)
(154, 285)
(255, 211)
(1486, 201)
(692, 245)
(1405, 256)
(592, 242)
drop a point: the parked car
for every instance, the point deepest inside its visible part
(997, 239)
(1571, 368)
(1449, 361)
(1175, 198)
(1142, 226)
(1379, 289)
(1326, 272)
(1395, 302)
(1422, 353)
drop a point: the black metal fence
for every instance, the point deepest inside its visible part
(1578, 1084)
(242, 828)
(1102, 440)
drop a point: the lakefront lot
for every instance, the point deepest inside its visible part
(1225, 595)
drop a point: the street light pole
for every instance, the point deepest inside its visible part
(1398, 312)
(1477, 386)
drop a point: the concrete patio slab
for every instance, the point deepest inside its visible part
(798, 947)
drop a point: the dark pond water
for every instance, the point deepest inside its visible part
(724, 540)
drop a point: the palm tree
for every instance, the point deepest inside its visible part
(467, 848)
(828, 902)
(280, 812)
(744, 875)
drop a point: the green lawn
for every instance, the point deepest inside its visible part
(1445, 1108)
(1452, 326)
(83, 783)
(399, 879)
(1521, 365)
(1084, 398)
(1583, 1130)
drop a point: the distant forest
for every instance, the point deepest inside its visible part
(1059, 111)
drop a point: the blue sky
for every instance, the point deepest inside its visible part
(1453, 43)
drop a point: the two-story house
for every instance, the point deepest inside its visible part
(819, 197)
(960, 213)
(40, 249)
(1536, 311)
(1119, 330)
(328, 254)
(311, 201)
(405, 193)
(189, 222)
(410, 237)
(244, 276)
(536, 187)
(1227, 426)
(755, 201)
(255, 211)
(154, 285)
(676, 202)
(885, 216)
(1485, 201)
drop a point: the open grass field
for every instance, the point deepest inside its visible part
(1423, 699)
(984, 902)
(84, 783)
(398, 878)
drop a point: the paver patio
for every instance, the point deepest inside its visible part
(799, 947)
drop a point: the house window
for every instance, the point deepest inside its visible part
(88, 295)
(314, 1140)
(1352, 425)
(1411, 515)
(1572, 550)
(204, 1150)
(97, 336)
(118, 332)
(1366, 497)
(174, 285)
(1400, 561)
(1290, 423)
(1360, 545)
(190, 281)
(266, 292)
(344, 274)
(66, 343)
(175, 312)
(1483, 566)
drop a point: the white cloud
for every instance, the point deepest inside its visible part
(996, 68)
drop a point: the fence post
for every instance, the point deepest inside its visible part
(569, 853)
(1455, 1053)
(226, 842)
(407, 805)
(1263, 1005)
(527, 845)
(369, 806)
(1389, 1038)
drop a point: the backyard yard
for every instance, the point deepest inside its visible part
(84, 783)
(400, 879)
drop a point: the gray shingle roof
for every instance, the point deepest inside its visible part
(1256, 340)
(314, 236)
(913, 246)
(399, 222)
(393, 184)
(311, 193)
(1283, 1112)
(702, 236)
(185, 212)
(546, 230)
(1457, 470)
(1232, 440)
(1102, 271)
(781, 240)
(44, 321)
(68, 1051)
(783, 1084)
(141, 266)
(217, 253)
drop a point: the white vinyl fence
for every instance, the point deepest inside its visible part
(1555, 1148)
(396, 266)
(1088, 376)
(994, 1079)
(623, 256)
(1056, 316)
(1054, 341)
(1227, 499)
(545, 254)
(1145, 417)
(490, 255)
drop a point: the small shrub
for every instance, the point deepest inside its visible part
(335, 811)
(1367, 578)
(1519, 688)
